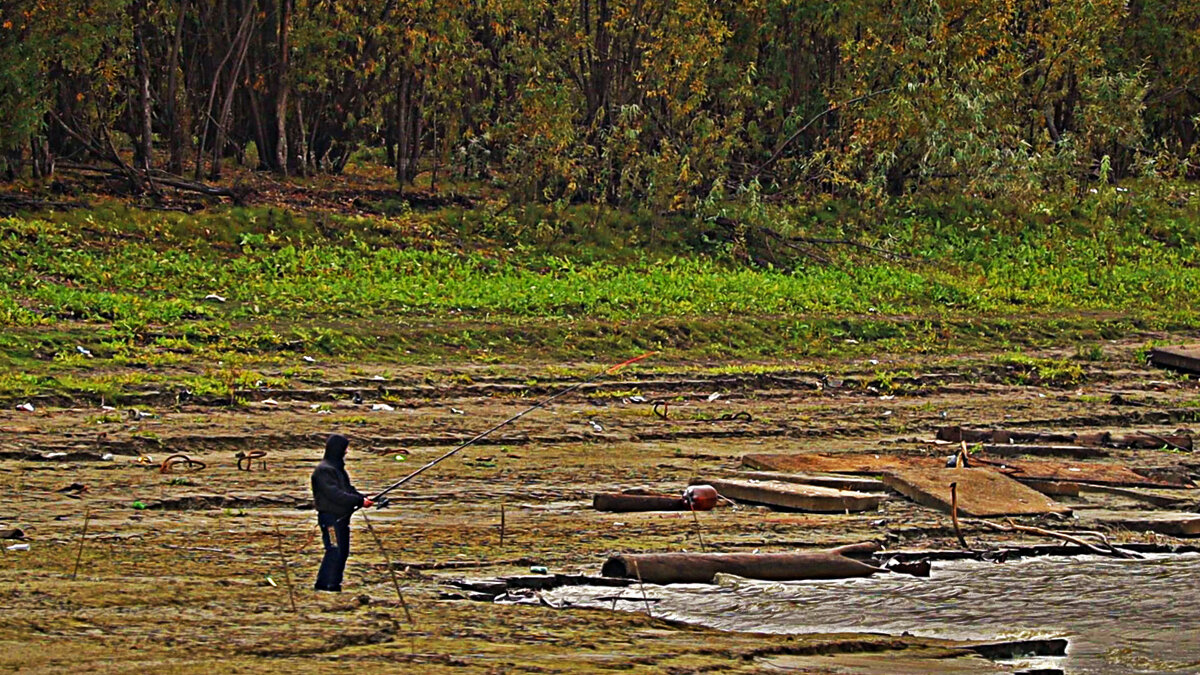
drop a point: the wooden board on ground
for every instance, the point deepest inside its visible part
(1017, 449)
(1080, 472)
(796, 496)
(1173, 524)
(1178, 358)
(838, 462)
(840, 482)
(981, 492)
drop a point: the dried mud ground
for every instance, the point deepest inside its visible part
(198, 575)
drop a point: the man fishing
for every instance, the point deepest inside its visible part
(335, 499)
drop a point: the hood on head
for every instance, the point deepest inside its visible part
(335, 448)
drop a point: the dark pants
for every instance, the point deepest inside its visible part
(335, 533)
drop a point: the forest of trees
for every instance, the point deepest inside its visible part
(615, 101)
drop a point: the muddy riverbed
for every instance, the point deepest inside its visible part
(181, 568)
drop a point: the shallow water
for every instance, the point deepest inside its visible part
(1121, 616)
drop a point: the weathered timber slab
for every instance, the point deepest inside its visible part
(1053, 488)
(1081, 472)
(958, 434)
(796, 495)
(847, 462)
(1185, 358)
(1018, 449)
(1165, 501)
(981, 492)
(840, 482)
(1173, 524)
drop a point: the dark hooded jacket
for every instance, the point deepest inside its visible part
(332, 491)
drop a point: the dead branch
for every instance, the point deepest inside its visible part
(1107, 550)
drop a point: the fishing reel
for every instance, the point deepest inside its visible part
(382, 503)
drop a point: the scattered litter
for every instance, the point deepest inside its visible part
(538, 569)
(713, 396)
(400, 458)
(107, 408)
(27, 407)
(136, 414)
(140, 506)
(850, 341)
(886, 397)
(315, 406)
(214, 296)
(309, 359)
(83, 351)
(53, 455)
(637, 399)
(358, 399)
(887, 412)
(379, 378)
(272, 582)
(456, 411)
(19, 547)
(873, 362)
(595, 425)
(144, 459)
(618, 524)
(382, 406)
(872, 310)
(324, 412)
(270, 401)
(107, 457)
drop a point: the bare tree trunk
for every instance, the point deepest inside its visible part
(241, 43)
(141, 67)
(171, 111)
(281, 99)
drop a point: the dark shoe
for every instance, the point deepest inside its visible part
(327, 589)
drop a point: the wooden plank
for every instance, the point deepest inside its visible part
(1017, 449)
(796, 496)
(1077, 472)
(1172, 524)
(840, 482)
(1148, 497)
(841, 462)
(1185, 358)
(1053, 488)
(981, 492)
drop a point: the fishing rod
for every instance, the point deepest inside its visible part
(540, 404)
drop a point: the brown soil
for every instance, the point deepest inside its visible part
(197, 574)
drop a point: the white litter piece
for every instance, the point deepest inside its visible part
(315, 406)
(19, 547)
(270, 401)
(850, 341)
(595, 425)
(107, 408)
(324, 412)
(53, 455)
(309, 359)
(139, 414)
(83, 351)
(713, 396)
(456, 411)
(379, 378)
(214, 296)
(382, 406)
(886, 397)
(887, 412)
(637, 399)
(27, 407)
(873, 362)
(108, 456)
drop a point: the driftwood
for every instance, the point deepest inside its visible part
(626, 502)
(1103, 548)
(701, 568)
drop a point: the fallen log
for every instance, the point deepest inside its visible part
(1016, 449)
(701, 568)
(623, 502)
